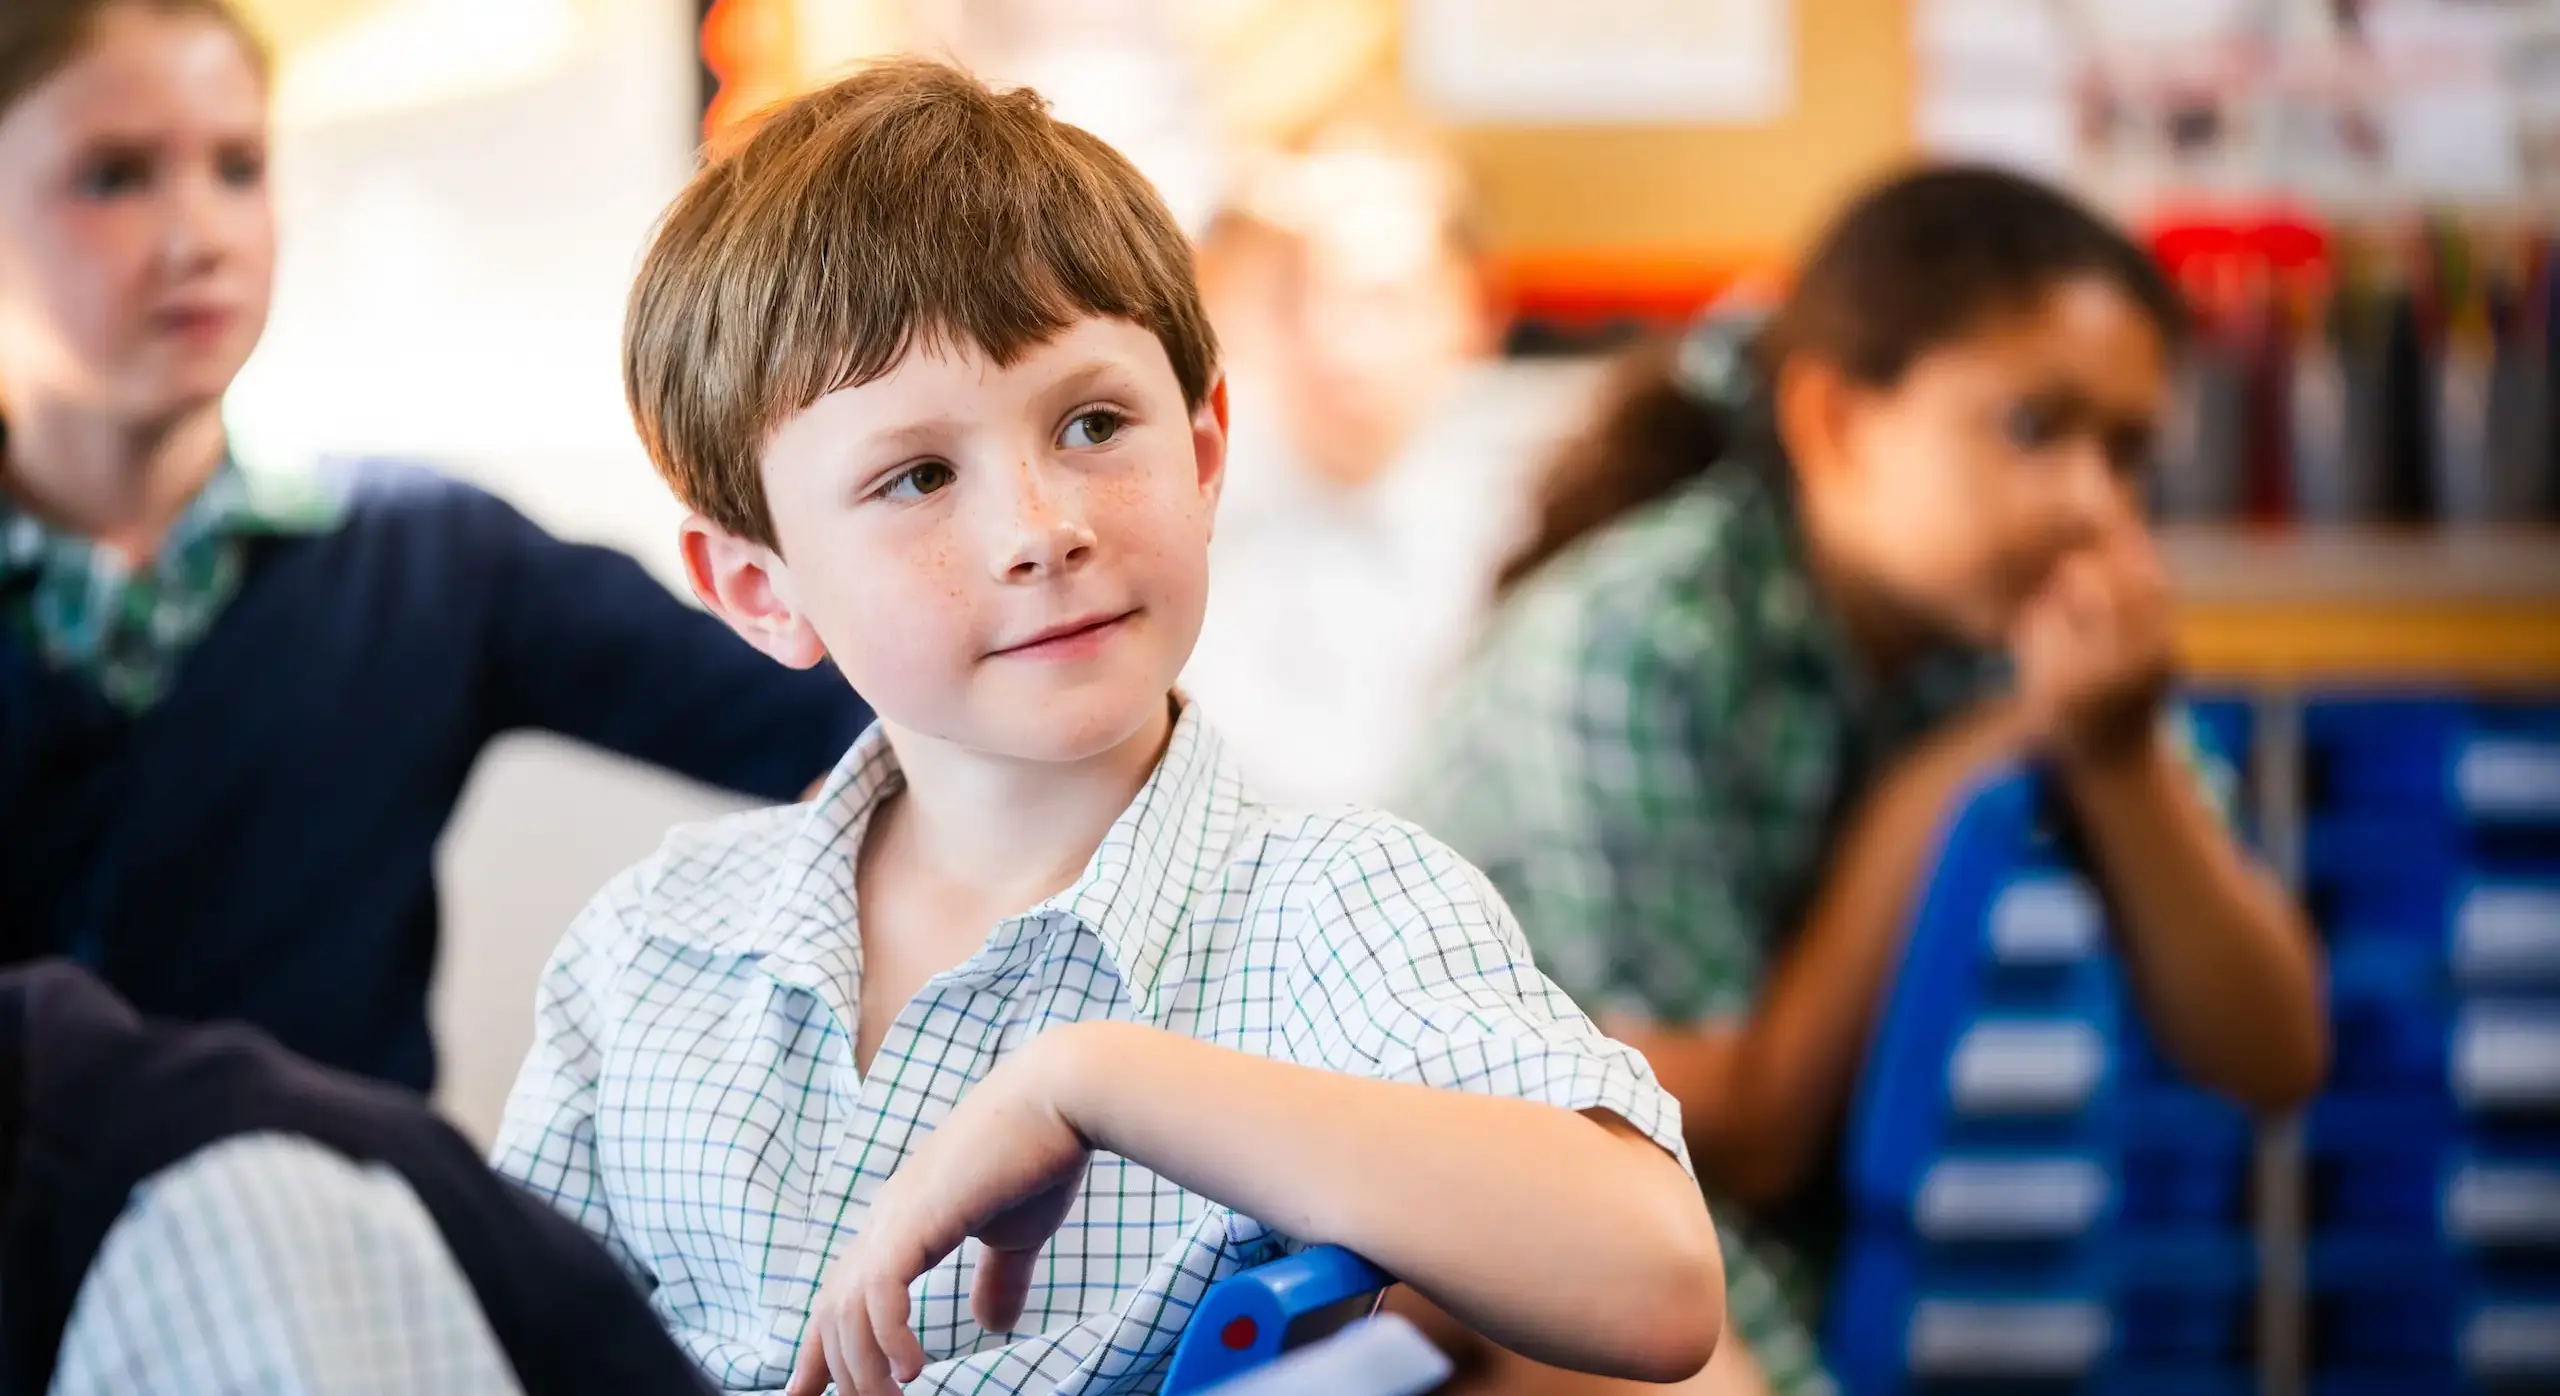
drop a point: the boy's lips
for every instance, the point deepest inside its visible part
(1068, 640)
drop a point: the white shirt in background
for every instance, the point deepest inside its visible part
(1334, 614)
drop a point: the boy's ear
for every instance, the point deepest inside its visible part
(1209, 439)
(746, 585)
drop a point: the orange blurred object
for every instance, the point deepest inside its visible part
(752, 48)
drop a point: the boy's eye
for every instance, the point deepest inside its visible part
(113, 173)
(1093, 428)
(917, 481)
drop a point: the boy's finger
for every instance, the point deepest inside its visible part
(1002, 1288)
(809, 1370)
(866, 1368)
(885, 1303)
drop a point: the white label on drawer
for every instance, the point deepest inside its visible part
(2022, 1068)
(2507, 1341)
(2509, 778)
(2507, 932)
(2046, 921)
(2506, 1058)
(2493, 1204)
(2027, 1338)
(1986, 1200)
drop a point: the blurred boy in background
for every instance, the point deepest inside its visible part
(1380, 470)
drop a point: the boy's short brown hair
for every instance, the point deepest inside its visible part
(908, 201)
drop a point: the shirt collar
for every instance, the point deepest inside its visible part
(1154, 867)
(234, 502)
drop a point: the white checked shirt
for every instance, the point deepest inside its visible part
(691, 1096)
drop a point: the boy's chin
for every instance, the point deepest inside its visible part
(1066, 730)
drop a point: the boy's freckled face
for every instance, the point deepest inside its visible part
(1010, 558)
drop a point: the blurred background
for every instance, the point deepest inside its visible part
(1421, 222)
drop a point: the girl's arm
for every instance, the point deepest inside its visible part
(1761, 1095)
(2222, 961)
(2225, 965)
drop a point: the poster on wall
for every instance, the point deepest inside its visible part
(2346, 103)
(1602, 62)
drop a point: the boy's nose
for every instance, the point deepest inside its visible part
(1046, 534)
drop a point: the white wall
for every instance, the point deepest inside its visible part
(451, 289)
(543, 825)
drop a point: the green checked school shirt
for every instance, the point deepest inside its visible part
(1649, 755)
(691, 1096)
(88, 610)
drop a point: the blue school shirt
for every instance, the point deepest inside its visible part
(259, 843)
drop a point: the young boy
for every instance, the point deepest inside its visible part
(978, 1069)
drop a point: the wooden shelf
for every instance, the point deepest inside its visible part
(2329, 605)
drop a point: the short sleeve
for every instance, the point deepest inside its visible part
(1410, 968)
(547, 1138)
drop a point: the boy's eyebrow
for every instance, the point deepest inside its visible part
(932, 432)
(913, 436)
(1085, 376)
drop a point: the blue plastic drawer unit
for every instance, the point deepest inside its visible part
(2504, 1056)
(2469, 760)
(2420, 1168)
(2037, 1203)
(1909, 1318)
(2386, 1309)
(2503, 931)
(2185, 1161)
(2030, 1066)
(2495, 1056)
(2432, 864)
(2015, 1198)
(2489, 910)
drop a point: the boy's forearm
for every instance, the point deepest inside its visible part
(2224, 962)
(1563, 1238)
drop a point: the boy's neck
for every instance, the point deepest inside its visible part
(120, 484)
(1012, 833)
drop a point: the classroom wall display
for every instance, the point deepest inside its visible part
(1125, 70)
(1602, 62)
(2346, 104)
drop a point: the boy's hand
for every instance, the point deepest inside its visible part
(1004, 1167)
(2095, 650)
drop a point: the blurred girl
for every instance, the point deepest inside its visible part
(235, 714)
(1798, 587)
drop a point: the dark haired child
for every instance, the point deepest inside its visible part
(1711, 735)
